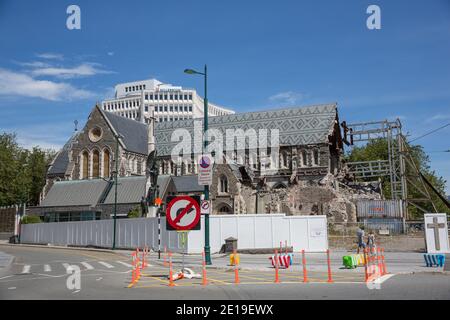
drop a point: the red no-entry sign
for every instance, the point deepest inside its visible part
(183, 213)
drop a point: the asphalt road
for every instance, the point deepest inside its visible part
(41, 273)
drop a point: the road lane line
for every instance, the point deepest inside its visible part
(26, 269)
(125, 264)
(87, 266)
(105, 264)
(47, 268)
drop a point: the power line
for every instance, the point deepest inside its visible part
(428, 133)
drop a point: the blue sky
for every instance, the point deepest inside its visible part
(260, 55)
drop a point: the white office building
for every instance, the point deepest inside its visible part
(165, 102)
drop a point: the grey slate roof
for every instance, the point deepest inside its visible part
(188, 183)
(297, 126)
(75, 193)
(61, 160)
(134, 132)
(129, 190)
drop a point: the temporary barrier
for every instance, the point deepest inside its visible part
(374, 264)
(353, 260)
(234, 259)
(434, 259)
(283, 260)
(254, 231)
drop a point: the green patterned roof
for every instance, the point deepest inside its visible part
(297, 126)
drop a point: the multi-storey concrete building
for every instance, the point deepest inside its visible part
(165, 102)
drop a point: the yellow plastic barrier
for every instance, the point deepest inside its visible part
(234, 259)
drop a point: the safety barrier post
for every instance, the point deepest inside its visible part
(133, 267)
(138, 266)
(143, 258)
(366, 265)
(330, 280)
(236, 270)
(383, 261)
(171, 284)
(277, 279)
(305, 274)
(380, 267)
(204, 280)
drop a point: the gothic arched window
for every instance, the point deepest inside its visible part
(106, 163)
(95, 164)
(85, 165)
(223, 184)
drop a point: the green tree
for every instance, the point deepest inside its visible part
(378, 150)
(31, 219)
(22, 172)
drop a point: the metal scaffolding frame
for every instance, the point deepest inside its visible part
(403, 173)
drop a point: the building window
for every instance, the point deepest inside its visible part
(95, 164)
(190, 96)
(185, 97)
(151, 97)
(171, 108)
(106, 163)
(165, 108)
(171, 97)
(223, 184)
(224, 209)
(304, 158)
(190, 108)
(144, 86)
(146, 108)
(146, 96)
(85, 165)
(165, 97)
(316, 157)
(176, 108)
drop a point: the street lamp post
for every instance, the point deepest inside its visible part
(205, 144)
(118, 136)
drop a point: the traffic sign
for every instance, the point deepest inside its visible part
(205, 166)
(205, 207)
(183, 213)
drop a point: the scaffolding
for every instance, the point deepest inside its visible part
(403, 173)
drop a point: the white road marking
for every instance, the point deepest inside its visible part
(87, 266)
(66, 266)
(47, 268)
(11, 288)
(26, 269)
(105, 264)
(386, 277)
(125, 264)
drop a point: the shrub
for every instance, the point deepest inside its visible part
(31, 219)
(135, 212)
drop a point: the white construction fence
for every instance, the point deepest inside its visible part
(253, 231)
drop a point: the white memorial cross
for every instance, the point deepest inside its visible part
(436, 226)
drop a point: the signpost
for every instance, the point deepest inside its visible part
(205, 167)
(183, 213)
(205, 207)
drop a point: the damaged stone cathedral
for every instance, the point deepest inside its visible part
(307, 182)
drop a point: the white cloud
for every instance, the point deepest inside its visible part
(53, 56)
(19, 84)
(288, 97)
(83, 70)
(110, 53)
(438, 117)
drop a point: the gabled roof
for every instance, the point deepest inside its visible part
(61, 160)
(297, 126)
(74, 193)
(188, 183)
(134, 132)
